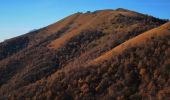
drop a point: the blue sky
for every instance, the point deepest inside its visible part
(20, 16)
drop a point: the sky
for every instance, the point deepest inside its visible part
(21, 16)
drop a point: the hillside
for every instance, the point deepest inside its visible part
(106, 54)
(138, 40)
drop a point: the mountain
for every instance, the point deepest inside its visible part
(106, 54)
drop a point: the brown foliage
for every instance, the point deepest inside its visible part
(29, 68)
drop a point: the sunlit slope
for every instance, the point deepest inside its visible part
(161, 31)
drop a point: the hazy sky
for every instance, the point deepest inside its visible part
(20, 16)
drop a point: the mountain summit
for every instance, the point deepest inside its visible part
(106, 54)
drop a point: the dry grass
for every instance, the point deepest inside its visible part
(138, 40)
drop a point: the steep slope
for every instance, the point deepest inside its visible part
(35, 37)
(52, 61)
(141, 71)
(139, 40)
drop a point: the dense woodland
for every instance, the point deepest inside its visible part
(31, 67)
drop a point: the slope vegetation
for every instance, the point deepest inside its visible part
(141, 71)
(138, 40)
(106, 54)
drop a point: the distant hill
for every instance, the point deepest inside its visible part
(107, 54)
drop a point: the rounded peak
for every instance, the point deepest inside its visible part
(105, 11)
